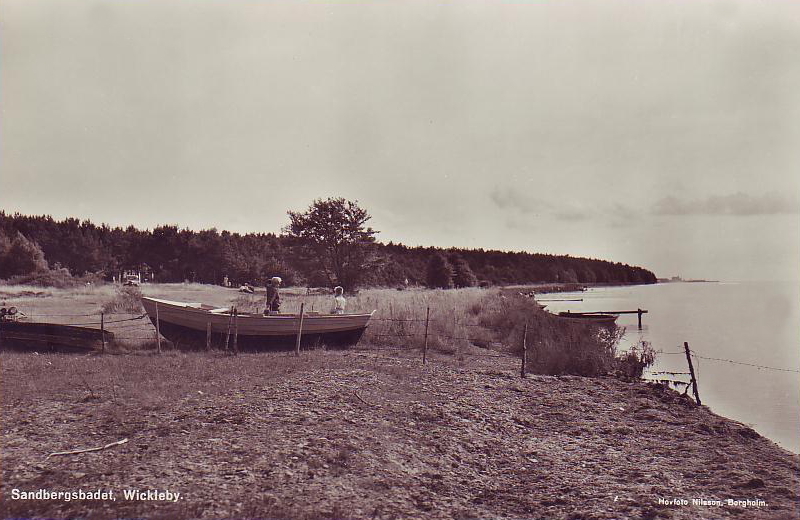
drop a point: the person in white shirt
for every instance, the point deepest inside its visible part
(339, 302)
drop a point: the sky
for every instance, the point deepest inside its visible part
(660, 134)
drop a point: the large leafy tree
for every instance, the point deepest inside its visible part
(334, 238)
(19, 256)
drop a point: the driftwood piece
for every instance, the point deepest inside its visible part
(355, 392)
(99, 448)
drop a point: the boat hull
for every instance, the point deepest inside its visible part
(52, 337)
(190, 326)
(596, 318)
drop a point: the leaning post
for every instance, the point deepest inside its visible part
(299, 331)
(691, 372)
(208, 334)
(103, 332)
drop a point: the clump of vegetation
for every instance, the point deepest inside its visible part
(632, 364)
(128, 299)
(554, 346)
(59, 278)
(470, 320)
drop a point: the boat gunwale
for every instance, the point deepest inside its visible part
(277, 317)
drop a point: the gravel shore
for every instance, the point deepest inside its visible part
(361, 435)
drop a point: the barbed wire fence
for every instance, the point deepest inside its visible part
(423, 334)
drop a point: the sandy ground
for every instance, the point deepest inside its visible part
(363, 435)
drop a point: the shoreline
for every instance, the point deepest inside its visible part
(359, 434)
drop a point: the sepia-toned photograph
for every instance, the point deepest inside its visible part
(400, 259)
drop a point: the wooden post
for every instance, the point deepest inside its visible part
(235, 330)
(299, 331)
(639, 312)
(524, 350)
(103, 332)
(455, 333)
(208, 334)
(691, 372)
(425, 345)
(158, 330)
(228, 333)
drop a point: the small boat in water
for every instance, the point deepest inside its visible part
(591, 317)
(191, 325)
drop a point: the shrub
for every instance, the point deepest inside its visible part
(59, 278)
(128, 299)
(632, 364)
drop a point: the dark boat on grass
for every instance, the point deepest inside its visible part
(192, 325)
(20, 334)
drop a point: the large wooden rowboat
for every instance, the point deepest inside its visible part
(187, 325)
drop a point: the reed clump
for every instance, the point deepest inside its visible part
(127, 299)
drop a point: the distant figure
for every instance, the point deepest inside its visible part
(247, 288)
(273, 298)
(225, 281)
(339, 302)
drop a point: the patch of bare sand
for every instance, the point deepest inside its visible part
(386, 438)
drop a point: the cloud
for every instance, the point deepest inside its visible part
(509, 198)
(572, 214)
(521, 203)
(740, 204)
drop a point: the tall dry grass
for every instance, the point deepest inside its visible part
(463, 322)
(475, 321)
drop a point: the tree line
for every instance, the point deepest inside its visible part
(325, 245)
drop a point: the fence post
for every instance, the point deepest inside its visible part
(425, 345)
(639, 312)
(103, 332)
(299, 331)
(691, 372)
(158, 330)
(235, 330)
(208, 334)
(228, 333)
(455, 333)
(524, 350)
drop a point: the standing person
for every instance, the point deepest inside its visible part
(273, 298)
(339, 301)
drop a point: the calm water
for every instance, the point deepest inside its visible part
(750, 322)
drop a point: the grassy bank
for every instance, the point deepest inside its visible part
(465, 323)
(361, 435)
